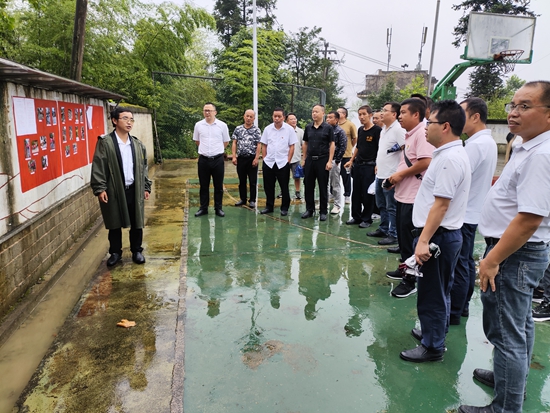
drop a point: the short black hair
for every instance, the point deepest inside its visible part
(115, 113)
(416, 105)
(290, 113)
(210, 103)
(450, 111)
(335, 113)
(395, 107)
(279, 109)
(476, 105)
(344, 109)
(545, 86)
(365, 107)
(321, 106)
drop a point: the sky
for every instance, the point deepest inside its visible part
(360, 26)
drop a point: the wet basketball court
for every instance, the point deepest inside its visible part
(267, 314)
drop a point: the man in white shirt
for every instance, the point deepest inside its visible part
(211, 136)
(278, 142)
(392, 138)
(515, 221)
(296, 160)
(482, 152)
(438, 215)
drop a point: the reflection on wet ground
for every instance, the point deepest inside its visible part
(282, 315)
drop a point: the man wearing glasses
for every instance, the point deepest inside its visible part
(120, 181)
(516, 225)
(438, 215)
(211, 136)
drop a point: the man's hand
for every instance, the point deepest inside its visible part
(254, 162)
(234, 160)
(422, 252)
(328, 166)
(487, 272)
(347, 164)
(146, 195)
(103, 197)
(395, 178)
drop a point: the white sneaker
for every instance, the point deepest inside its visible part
(375, 216)
(347, 200)
(335, 210)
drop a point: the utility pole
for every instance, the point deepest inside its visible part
(327, 52)
(78, 39)
(433, 48)
(388, 43)
(422, 43)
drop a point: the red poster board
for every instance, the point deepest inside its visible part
(52, 138)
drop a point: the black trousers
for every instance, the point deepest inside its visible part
(272, 175)
(315, 171)
(362, 204)
(346, 178)
(246, 170)
(211, 168)
(136, 234)
(404, 224)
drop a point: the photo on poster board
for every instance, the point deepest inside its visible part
(48, 117)
(64, 134)
(43, 143)
(75, 148)
(82, 133)
(32, 166)
(54, 116)
(67, 151)
(52, 142)
(40, 114)
(70, 132)
(44, 162)
(70, 114)
(34, 146)
(62, 114)
(27, 149)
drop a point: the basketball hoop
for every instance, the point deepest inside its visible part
(508, 58)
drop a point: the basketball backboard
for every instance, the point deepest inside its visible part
(489, 34)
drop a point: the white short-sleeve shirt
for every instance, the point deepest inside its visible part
(523, 186)
(387, 163)
(278, 142)
(448, 176)
(211, 137)
(482, 152)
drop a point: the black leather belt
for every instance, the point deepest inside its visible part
(129, 186)
(213, 157)
(417, 231)
(493, 241)
(317, 157)
(365, 163)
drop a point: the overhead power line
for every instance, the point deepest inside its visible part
(370, 59)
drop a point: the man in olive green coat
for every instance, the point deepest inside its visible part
(119, 180)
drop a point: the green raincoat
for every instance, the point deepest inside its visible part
(107, 176)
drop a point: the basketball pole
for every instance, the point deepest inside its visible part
(433, 49)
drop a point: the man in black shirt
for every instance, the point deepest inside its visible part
(318, 146)
(363, 161)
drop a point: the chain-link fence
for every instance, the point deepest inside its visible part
(181, 98)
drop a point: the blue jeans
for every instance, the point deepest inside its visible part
(385, 201)
(508, 323)
(434, 289)
(465, 273)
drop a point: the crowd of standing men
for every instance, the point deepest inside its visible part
(433, 192)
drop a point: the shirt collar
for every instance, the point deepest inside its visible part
(478, 135)
(448, 146)
(414, 130)
(537, 140)
(121, 142)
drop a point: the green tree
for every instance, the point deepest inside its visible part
(483, 79)
(387, 93)
(7, 26)
(495, 104)
(234, 65)
(232, 15)
(417, 85)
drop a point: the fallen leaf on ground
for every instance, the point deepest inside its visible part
(126, 323)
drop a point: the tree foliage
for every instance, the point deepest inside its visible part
(495, 104)
(484, 80)
(232, 15)
(387, 93)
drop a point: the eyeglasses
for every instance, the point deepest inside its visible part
(510, 107)
(429, 122)
(127, 119)
(208, 110)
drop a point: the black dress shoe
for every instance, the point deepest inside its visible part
(201, 212)
(475, 409)
(353, 222)
(486, 377)
(417, 333)
(113, 259)
(240, 203)
(284, 213)
(220, 213)
(378, 233)
(454, 320)
(307, 214)
(388, 241)
(322, 217)
(365, 224)
(138, 258)
(394, 250)
(421, 354)
(266, 211)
